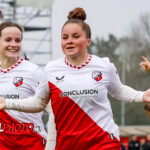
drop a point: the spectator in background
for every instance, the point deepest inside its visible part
(144, 144)
(148, 138)
(134, 144)
(122, 147)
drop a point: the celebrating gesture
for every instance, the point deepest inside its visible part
(145, 65)
(77, 86)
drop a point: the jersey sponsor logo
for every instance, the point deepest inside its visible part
(97, 75)
(18, 127)
(79, 92)
(10, 96)
(60, 78)
(18, 81)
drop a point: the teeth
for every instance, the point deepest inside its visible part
(12, 50)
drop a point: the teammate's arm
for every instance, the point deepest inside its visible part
(31, 105)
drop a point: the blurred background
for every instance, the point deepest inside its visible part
(120, 31)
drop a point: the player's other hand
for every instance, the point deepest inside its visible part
(2, 103)
(145, 65)
(146, 96)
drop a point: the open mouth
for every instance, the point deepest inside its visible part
(69, 47)
(12, 49)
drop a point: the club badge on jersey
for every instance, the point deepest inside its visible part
(18, 81)
(97, 75)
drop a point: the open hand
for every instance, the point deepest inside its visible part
(2, 103)
(145, 65)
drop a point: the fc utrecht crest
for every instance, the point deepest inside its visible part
(97, 75)
(18, 81)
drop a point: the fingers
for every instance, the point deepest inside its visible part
(143, 65)
(145, 59)
(146, 96)
(2, 103)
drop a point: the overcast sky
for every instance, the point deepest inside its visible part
(103, 16)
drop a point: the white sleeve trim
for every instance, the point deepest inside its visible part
(31, 105)
(127, 94)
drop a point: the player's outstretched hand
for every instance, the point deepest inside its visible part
(145, 65)
(2, 103)
(146, 96)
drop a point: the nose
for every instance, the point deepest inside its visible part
(69, 40)
(13, 43)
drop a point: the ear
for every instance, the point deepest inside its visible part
(88, 42)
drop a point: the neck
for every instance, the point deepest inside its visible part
(8, 62)
(78, 60)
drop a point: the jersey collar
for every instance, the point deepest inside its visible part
(12, 67)
(89, 57)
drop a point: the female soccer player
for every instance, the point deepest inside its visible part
(78, 86)
(18, 79)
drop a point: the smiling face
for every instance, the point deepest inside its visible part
(10, 42)
(74, 41)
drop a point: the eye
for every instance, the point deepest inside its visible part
(8, 39)
(76, 36)
(64, 37)
(18, 40)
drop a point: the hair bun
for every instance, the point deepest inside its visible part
(77, 13)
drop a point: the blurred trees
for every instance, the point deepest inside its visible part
(126, 54)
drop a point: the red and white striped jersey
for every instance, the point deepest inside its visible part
(17, 82)
(82, 111)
